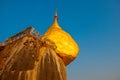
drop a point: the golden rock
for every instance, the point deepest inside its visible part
(67, 48)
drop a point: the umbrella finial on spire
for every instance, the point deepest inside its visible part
(56, 15)
(56, 12)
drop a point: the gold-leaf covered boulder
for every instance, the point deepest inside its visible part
(67, 48)
(30, 58)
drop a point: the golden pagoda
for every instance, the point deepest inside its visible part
(67, 48)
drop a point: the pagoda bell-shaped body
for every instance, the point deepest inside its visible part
(67, 48)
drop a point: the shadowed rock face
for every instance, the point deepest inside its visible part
(30, 59)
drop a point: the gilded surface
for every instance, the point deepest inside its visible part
(66, 46)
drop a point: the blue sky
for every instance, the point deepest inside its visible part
(94, 24)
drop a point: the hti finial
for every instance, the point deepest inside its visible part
(56, 15)
(56, 12)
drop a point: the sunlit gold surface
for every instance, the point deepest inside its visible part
(67, 48)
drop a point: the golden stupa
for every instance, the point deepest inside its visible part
(67, 48)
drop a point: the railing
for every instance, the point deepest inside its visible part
(29, 30)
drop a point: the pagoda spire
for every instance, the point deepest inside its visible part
(56, 15)
(55, 22)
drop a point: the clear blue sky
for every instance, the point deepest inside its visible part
(94, 24)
